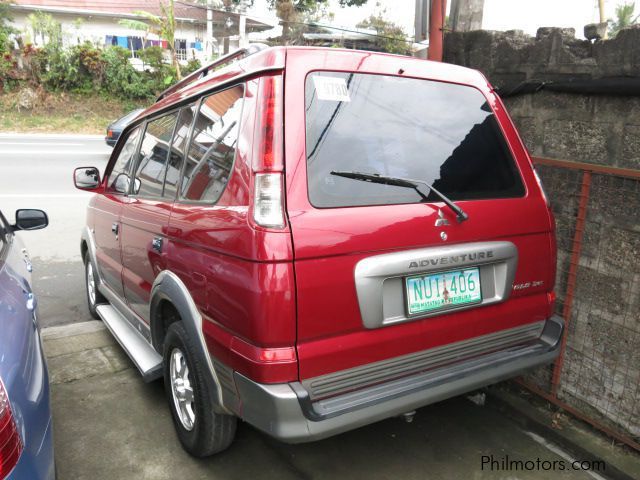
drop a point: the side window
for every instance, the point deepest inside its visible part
(213, 146)
(118, 181)
(176, 154)
(154, 151)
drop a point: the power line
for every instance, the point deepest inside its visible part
(136, 5)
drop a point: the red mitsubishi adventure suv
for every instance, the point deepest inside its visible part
(312, 240)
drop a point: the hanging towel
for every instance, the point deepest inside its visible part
(199, 46)
(108, 40)
(137, 43)
(123, 42)
(165, 44)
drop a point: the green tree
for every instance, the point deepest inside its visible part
(46, 27)
(624, 18)
(7, 62)
(163, 25)
(5, 28)
(292, 12)
(391, 37)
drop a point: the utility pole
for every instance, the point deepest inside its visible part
(466, 15)
(242, 25)
(436, 29)
(209, 42)
(423, 8)
(242, 30)
(602, 16)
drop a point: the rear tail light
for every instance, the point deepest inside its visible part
(268, 154)
(268, 210)
(10, 441)
(268, 163)
(110, 133)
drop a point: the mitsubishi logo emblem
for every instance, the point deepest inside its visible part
(441, 221)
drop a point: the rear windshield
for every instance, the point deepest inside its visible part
(440, 133)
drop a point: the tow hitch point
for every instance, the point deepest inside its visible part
(408, 417)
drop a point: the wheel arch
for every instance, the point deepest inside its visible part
(169, 293)
(84, 248)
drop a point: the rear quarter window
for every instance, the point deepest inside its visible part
(441, 133)
(212, 150)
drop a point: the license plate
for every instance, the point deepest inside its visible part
(425, 293)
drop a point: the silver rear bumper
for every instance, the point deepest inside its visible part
(286, 411)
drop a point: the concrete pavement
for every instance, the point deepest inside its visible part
(36, 172)
(109, 424)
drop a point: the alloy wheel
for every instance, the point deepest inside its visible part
(181, 389)
(91, 284)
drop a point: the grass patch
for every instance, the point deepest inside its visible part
(62, 113)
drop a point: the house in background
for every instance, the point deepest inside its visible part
(97, 21)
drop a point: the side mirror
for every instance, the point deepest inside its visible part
(121, 183)
(86, 178)
(29, 219)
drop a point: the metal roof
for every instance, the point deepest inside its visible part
(184, 10)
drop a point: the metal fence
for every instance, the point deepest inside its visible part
(597, 375)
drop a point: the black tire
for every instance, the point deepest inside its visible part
(98, 298)
(211, 432)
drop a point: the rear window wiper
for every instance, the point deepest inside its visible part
(406, 183)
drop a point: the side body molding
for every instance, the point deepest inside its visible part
(168, 286)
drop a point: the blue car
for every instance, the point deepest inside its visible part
(116, 127)
(26, 438)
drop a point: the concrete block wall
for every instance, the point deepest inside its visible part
(601, 374)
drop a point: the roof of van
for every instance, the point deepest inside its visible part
(322, 58)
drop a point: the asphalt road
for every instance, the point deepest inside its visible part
(36, 172)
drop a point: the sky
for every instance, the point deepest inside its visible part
(525, 15)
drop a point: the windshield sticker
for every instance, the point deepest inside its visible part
(331, 88)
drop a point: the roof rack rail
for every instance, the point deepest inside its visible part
(204, 71)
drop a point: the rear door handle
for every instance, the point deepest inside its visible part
(115, 228)
(156, 244)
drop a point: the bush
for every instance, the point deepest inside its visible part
(120, 78)
(63, 69)
(8, 66)
(161, 74)
(92, 62)
(86, 68)
(152, 56)
(192, 65)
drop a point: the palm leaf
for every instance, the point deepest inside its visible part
(134, 24)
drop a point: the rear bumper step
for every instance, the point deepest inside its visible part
(287, 412)
(143, 355)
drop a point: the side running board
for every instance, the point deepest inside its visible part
(145, 357)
